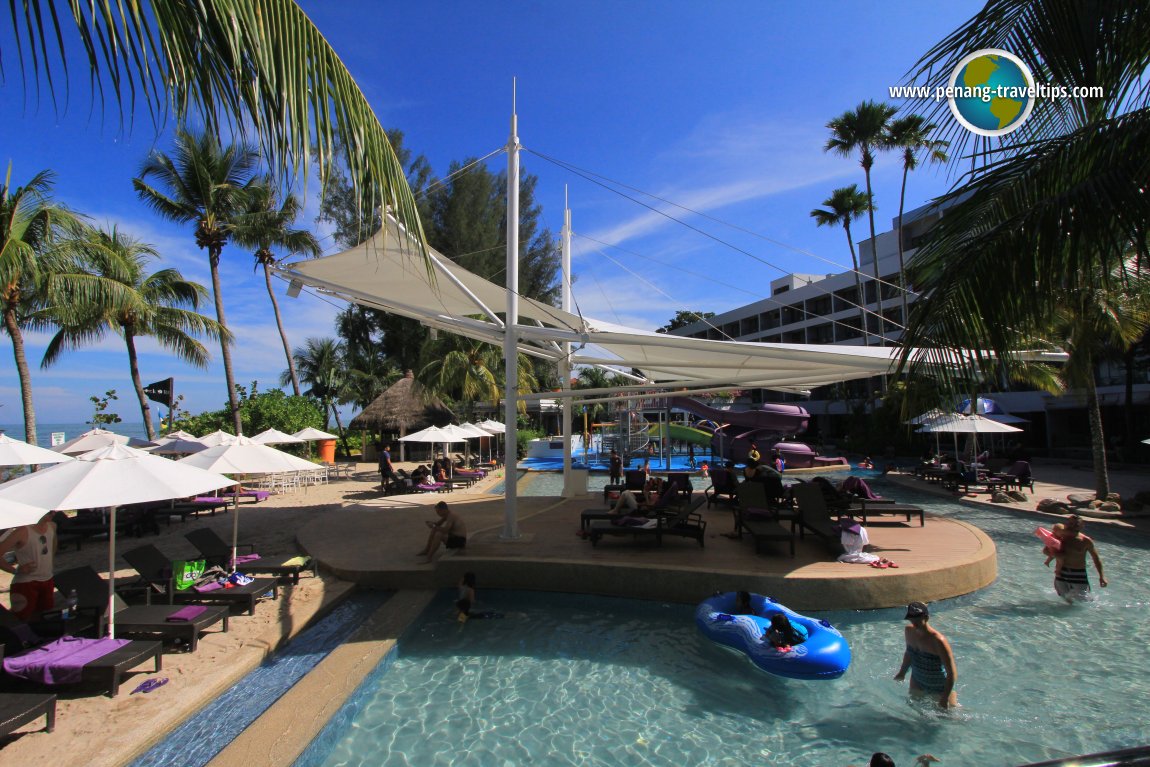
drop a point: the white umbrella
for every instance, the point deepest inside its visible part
(475, 433)
(969, 424)
(276, 437)
(16, 514)
(217, 437)
(495, 427)
(13, 452)
(179, 447)
(931, 415)
(245, 457)
(94, 439)
(434, 435)
(309, 434)
(174, 435)
(109, 477)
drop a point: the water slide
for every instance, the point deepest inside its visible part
(765, 426)
(683, 434)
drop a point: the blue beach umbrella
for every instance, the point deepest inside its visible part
(984, 407)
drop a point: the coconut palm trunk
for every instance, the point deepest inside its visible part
(225, 341)
(1098, 441)
(13, 328)
(137, 384)
(280, 327)
(901, 257)
(874, 254)
(858, 284)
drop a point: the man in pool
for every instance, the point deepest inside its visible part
(1070, 579)
(928, 657)
(449, 531)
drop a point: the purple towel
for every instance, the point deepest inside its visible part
(859, 487)
(244, 559)
(189, 613)
(205, 499)
(432, 486)
(203, 588)
(61, 661)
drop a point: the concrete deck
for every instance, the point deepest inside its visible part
(374, 543)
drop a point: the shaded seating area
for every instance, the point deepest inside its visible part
(1017, 476)
(155, 571)
(133, 521)
(685, 521)
(217, 551)
(176, 625)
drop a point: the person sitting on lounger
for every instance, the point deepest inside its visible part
(631, 502)
(450, 531)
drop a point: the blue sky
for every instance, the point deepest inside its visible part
(717, 107)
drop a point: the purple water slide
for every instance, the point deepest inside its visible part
(764, 426)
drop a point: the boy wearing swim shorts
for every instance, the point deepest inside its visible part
(1070, 578)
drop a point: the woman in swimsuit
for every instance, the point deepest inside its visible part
(928, 657)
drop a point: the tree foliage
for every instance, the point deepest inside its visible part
(683, 318)
(272, 409)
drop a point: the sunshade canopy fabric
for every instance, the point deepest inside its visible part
(276, 437)
(311, 433)
(968, 424)
(387, 273)
(16, 514)
(97, 438)
(111, 476)
(14, 452)
(246, 457)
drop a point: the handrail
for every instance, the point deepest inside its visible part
(1127, 757)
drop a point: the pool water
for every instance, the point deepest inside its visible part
(570, 679)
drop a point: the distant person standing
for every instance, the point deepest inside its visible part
(616, 467)
(928, 657)
(779, 461)
(386, 470)
(691, 454)
(753, 454)
(1070, 579)
(34, 547)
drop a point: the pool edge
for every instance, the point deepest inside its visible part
(282, 733)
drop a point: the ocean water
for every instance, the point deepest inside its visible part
(44, 431)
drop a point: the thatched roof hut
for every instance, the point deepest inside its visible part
(404, 407)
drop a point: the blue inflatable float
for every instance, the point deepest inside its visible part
(824, 655)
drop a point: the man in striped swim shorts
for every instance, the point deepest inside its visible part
(1070, 579)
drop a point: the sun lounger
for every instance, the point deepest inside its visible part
(864, 508)
(685, 522)
(724, 484)
(432, 487)
(815, 517)
(155, 570)
(762, 517)
(217, 551)
(70, 660)
(256, 495)
(18, 709)
(167, 622)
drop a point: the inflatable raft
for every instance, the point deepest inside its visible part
(824, 655)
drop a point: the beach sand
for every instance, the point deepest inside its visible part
(97, 730)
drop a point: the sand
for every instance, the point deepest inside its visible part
(97, 730)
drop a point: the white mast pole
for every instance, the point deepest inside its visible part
(565, 365)
(510, 335)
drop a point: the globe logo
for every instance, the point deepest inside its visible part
(991, 92)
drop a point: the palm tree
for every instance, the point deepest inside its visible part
(1108, 311)
(463, 369)
(206, 185)
(267, 225)
(1062, 197)
(595, 378)
(32, 231)
(863, 129)
(264, 66)
(320, 365)
(157, 311)
(847, 204)
(912, 134)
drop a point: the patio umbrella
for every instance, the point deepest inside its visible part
(495, 427)
(217, 437)
(927, 417)
(984, 407)
(177, 434)
(244, 456)
(310, 434)
(970, 424)
(432, 434)
(179, 447)
(276, 437)
(14, 452)
(109, 477)
(476, 433)
(95, 439)
(16, 514)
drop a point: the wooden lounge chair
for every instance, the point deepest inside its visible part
(1018, 475)
(138, 620)
(762, 516)
(864, 508)
(815, 517)
(18, 709)
(217, 551)
(155, 570)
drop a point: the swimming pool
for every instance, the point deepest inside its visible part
(569, 679)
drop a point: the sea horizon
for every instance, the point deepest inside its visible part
(45, 430)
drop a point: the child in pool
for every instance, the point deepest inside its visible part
(783, 635)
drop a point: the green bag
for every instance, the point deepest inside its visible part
(185, 572)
